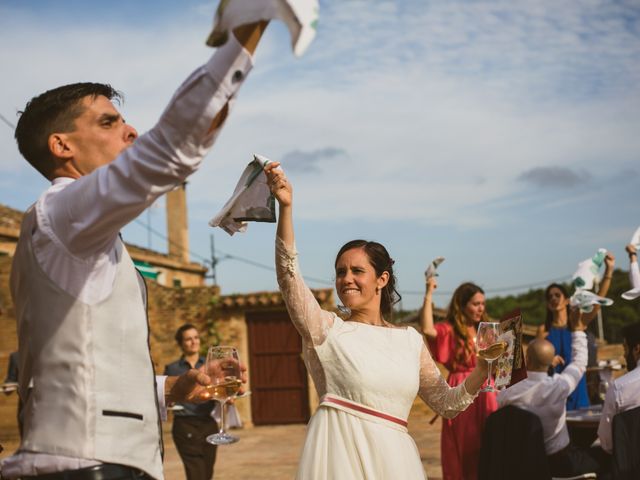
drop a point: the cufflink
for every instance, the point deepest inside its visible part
(238, 76)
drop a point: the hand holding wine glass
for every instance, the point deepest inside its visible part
(489, 347)
(223, 367)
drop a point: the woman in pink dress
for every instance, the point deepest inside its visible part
(452, 344)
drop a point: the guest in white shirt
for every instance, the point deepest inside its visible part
(546, 396)
(83, 335)
(624, 394)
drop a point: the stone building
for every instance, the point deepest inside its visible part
(257, 323)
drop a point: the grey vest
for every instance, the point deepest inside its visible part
(93, 394)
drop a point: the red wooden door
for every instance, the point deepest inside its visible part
(279, 387)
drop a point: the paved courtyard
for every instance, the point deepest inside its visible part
(272, 452)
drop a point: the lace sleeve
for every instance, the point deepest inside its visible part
(310, 320)
(443, 399)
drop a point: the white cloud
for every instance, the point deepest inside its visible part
(426, 98)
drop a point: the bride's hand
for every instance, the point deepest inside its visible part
(278, 183)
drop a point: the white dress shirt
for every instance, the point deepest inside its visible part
(623, 394)
(79, 220)
(634, 279)
(547, 396)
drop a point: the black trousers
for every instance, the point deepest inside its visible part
(198, 456)
(574, 460)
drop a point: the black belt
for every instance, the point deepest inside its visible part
(104, 471)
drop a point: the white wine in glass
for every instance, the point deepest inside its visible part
(489, 347)
(223, 367)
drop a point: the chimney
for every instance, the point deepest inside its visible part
(177, 229)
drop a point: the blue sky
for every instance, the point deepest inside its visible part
(502, 135)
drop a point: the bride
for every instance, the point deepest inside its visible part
(366, 370)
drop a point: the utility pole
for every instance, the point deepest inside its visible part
(214, 261)
(596, 286)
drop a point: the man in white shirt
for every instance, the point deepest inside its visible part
(624, 393)
(546, 396)
(92, 411)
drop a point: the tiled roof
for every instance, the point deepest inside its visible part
(162, 259)
(266, 299)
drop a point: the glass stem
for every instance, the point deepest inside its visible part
(223, 409)
(489, 374)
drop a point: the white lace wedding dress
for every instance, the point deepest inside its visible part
(367, 378)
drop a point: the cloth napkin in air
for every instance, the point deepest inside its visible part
(251, 200)
(300, 16)
(634, 273)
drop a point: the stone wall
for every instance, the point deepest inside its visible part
(168, 309)
(8, 344)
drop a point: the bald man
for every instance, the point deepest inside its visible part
(546, 396)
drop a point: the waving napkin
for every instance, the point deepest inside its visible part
(251, 200)
(634, 272)
(432, 269)
(585, 300)
(583, 280)
(300, 16)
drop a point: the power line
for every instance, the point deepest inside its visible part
(496, 289)
(225, 256)
(253, 263)
(4, 119)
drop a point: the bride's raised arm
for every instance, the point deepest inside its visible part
(444, 399)
(310, 320)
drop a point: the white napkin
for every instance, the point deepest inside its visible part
(300, 16)
(635, 239)
(634, 274)
(431, 270)
(251, 200)
(583, 280)
(585, 300)
(588, 270)
(634, 278)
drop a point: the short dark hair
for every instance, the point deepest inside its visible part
(381, 262)
(50, 112)
(631, 334)
(181, 330)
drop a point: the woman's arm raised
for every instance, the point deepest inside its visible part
(310, 320)
(426, 313)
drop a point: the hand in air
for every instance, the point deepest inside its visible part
(278, 183)
(557, 360)
(609, 261)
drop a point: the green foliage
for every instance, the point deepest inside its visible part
(533, 307)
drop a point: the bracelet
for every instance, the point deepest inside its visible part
(608, 277)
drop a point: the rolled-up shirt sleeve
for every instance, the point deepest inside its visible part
(634, 275)
(606, 419)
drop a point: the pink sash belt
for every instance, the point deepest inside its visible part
(347, 405)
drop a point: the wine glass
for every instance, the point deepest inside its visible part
(489, 347)
(223, 367)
